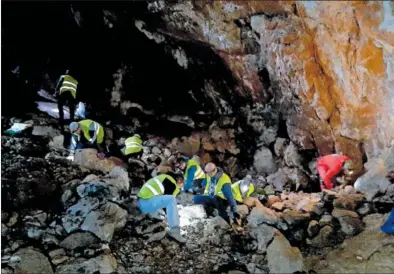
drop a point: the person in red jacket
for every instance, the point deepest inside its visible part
(331, 165)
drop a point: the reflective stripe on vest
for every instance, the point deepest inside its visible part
(199, 174)
(96, 128)
(69, 84)
(224, 179)
(160, 184)
(152, 189)
(133, 144)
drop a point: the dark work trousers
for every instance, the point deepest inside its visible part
(63, 99)
(198, 186)
(215, 202)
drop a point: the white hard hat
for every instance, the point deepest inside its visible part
(244, 187)
(137, 135)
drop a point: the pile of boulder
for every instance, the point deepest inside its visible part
(82, 217)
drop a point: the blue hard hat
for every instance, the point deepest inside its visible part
(73, 126)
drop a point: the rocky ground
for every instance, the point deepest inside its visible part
(63, 217)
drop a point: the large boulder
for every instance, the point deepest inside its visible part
(100, 264)
(32, 261)
(261, 235)
(261, 215)
(282, 257)
(104, 221)
(264, 161)
(349, 221)
(87, 158)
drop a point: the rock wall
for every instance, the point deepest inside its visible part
(280, 69)
(328, 65)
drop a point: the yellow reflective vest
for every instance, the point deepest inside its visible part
(199, 174)
(132, 145)
(237, 192)
(69, 84)
(154, 187)
(224, 179)
(90, 125)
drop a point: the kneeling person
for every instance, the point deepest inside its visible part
(242, 191)
(218, 182)
(86, 134)
(160, 192)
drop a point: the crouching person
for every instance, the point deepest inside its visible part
(160, 192)
(86, 134)
(218, 182)
(242, 191)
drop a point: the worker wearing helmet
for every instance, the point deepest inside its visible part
(85, 134)
(330, 166)
(218, 182)
(194, 175)
(241, 190)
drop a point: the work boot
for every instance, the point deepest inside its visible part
(175, 233)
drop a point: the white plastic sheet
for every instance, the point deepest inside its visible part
(52, 109)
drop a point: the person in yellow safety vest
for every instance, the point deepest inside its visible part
(195, 177)
(133, 147)
(241, 190)
(218, 182)
(160, 192)
(85, 134)
(67, 93)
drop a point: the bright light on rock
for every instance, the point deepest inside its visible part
(191, 215)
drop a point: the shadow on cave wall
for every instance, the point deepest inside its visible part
(44, 38)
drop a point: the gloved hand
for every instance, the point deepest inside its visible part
(70, 158)
(101, 155)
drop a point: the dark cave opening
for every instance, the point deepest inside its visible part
(95, 52)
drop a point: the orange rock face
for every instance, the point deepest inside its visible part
(331, 64)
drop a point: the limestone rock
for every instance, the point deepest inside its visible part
(371, 245)
(278, 206)
(88, 158)
(79, 239)
(262, 215)
(32, 261)
(263, 161)
(272, 199)
(262, 235)
(313, 228)
(365, 209)
(349, 221)
(291, 156)
(349, 201)
(324, 238)
(294, 217)
(104, 221)
(326, 219)
(100, 264)
(280, 146)
(282, 257)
